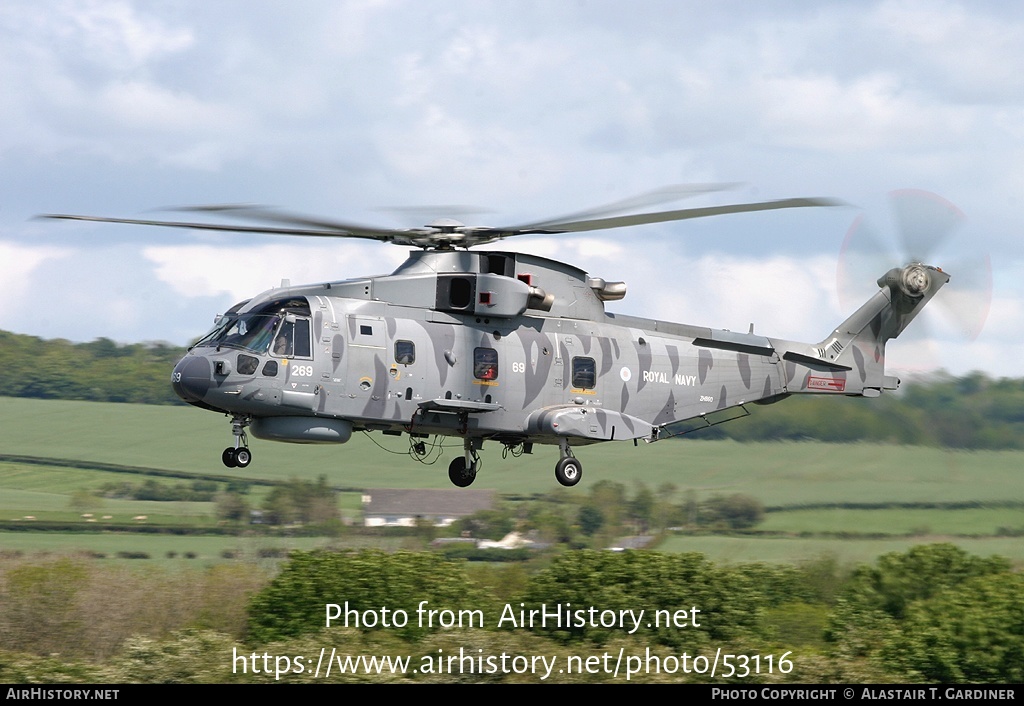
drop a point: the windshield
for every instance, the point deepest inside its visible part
(251, 332)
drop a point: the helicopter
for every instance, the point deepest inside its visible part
(505, 347)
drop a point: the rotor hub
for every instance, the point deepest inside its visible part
(445, 225)
(914, 280)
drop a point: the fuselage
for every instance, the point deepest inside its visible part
(454, 332)
(499, 346)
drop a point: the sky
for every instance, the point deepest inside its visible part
(499, 113)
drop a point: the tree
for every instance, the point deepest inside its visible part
(232, 507)
(650, 581)
(872, 611)
(591, 520)
(737, 511)
(971, 633)
(899, 579)
(488, 524)
(302, 501)
(373, 584)
(610, 498)
(550, 522)
(84, 499)
(641, 508)
(665, 513)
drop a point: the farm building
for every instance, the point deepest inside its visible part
(389, 507)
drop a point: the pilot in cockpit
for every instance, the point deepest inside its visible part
(283, 344)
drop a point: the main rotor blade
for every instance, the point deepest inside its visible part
(368, 233)
(451, 235)
(268, 215)
(551, 227)
(663, 195)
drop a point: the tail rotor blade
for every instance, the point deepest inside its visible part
(862, 259)
(968, 296)
(924, 222)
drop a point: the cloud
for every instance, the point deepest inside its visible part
(528, 109)
(20, 263)
(214, 270)
(115, 34)
(955, 50)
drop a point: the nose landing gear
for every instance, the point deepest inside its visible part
(239, 455)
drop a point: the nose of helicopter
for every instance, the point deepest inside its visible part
(192, 378)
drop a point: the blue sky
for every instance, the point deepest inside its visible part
(520, 111)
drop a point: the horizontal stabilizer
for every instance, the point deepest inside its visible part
(739, 342)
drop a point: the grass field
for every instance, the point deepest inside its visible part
(778, 474)
(790, 473)
(846, 552)
(964, 522)
(170, 550)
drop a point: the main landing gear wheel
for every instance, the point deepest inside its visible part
(569, 471)
(236, 458)
(460, 474)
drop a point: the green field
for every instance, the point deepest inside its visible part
(846, 552)
(782, 475)
(170, 550)
(788, 473)
(963, 522)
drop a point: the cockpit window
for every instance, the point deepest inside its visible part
(251, 332)
(292, 340)
(303, 348)
(255, 330)
(284, 343)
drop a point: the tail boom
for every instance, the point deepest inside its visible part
(851, 361)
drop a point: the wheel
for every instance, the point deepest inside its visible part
(459, 474)
(228, 457)
(568, 471)
(243, 457)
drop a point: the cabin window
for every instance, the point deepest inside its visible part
(405, 352)
(270, 368)
(485, 364)
(584, 373)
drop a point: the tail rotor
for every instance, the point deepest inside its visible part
(925, 233)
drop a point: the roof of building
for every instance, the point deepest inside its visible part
(413, 502)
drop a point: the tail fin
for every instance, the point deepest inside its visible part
(851, 360)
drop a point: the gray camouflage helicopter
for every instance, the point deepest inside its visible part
(506, 347)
